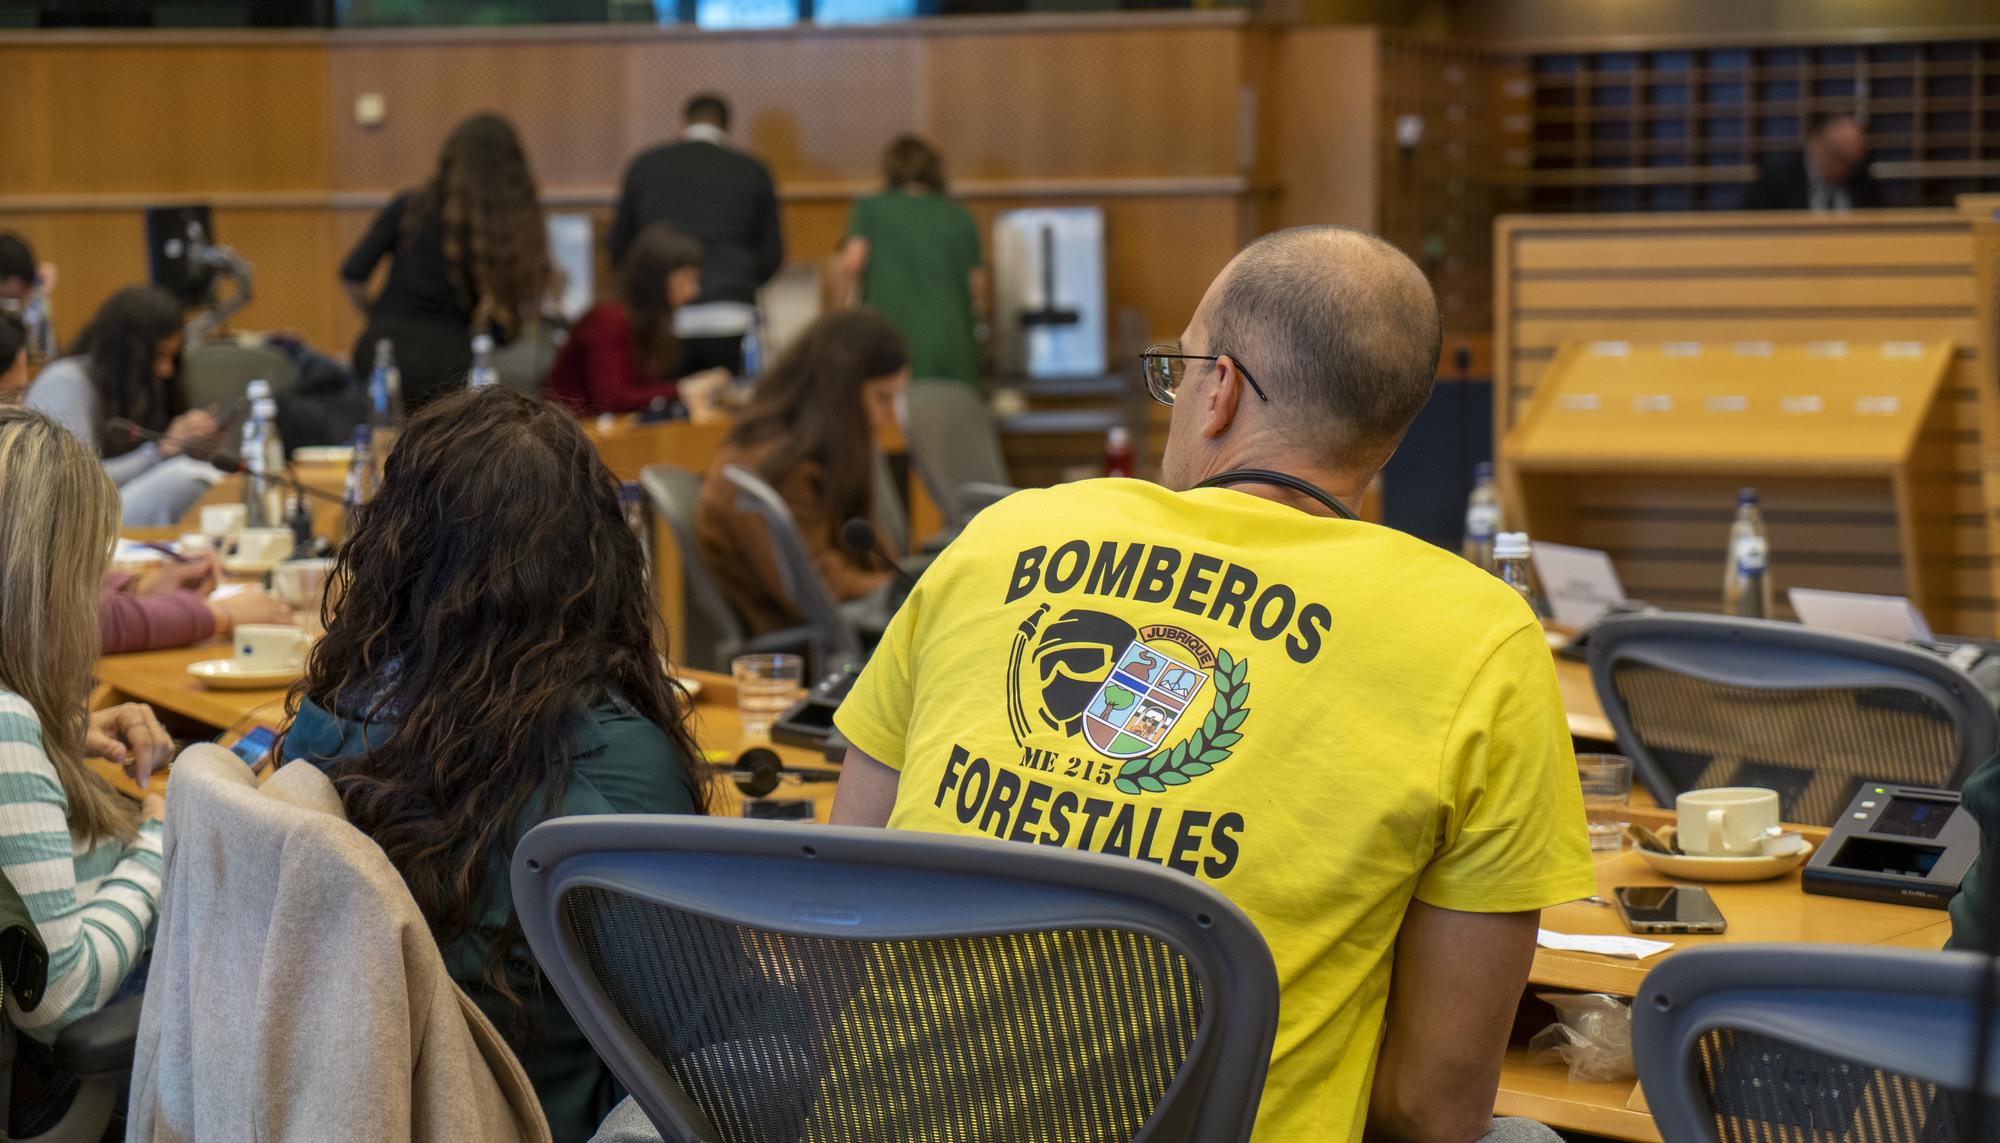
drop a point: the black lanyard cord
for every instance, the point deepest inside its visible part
(1282, 480)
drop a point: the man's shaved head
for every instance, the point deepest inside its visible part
(1340, 329)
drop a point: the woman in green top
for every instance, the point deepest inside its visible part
(913, 254)
(495, 662)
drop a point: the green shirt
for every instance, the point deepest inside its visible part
(922, 249)
(621, 763)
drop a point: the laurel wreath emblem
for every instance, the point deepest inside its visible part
(1205, 749)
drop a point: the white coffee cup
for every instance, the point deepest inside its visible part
(270, 647)
(260, 545)
(299, 584)
(1728, 821)
(194, 544)
(219, 520)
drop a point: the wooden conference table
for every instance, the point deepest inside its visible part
(1765, 911)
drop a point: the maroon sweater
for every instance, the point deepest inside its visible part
(149, 622)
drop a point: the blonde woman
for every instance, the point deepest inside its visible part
(85, 858)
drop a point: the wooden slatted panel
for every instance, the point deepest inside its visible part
(1717, 278)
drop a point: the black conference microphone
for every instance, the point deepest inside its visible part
(235, 465)
(859, 536)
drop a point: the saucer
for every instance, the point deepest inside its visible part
(241, 567)
(323, 454)
(1688, 868)
(228, 675)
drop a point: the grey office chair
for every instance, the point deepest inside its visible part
(1702, 700)
(956, 449)
(1812, 1044)
(523, 363)
(892, 522)
(833, 638)
(712, 635)
(754, 981)
(90, 1062)
(217, 373)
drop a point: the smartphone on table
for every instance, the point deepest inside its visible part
(1668, 909)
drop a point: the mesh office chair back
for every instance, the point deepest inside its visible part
(1700, 701)
(752, 982)
(953, 444)
(1815, 1044)
(712, 635)
(834, 639)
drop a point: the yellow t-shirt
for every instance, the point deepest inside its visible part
(1321, 718)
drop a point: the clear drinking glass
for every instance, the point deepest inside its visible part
(1607, 790)
(766, 686)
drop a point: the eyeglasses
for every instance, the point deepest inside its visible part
(1165, 367)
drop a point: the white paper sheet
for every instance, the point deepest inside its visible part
(1633, 948)
(1891, 617)
(1580, 582)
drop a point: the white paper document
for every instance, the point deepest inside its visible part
(1580, 582)
(1634, 948)
(1891, 617)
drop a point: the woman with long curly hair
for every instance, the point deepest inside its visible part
(495, 661)
(468, 254)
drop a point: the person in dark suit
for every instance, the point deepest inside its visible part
(1829, 177)
(726, 200)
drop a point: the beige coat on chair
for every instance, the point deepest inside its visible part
(295, 992)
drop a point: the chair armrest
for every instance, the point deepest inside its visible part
(102, 1042)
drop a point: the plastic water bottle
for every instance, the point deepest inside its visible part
(263, 456)
(361, 478)
(1118, 458)
(632, 505)
(483, 373)
(41, 331)
(1510, 563)
(753, 351)
(1482, 517)
(385, 390)
(1746, 581)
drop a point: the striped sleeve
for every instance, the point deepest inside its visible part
(91, 908)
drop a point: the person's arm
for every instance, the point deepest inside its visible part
(771, 236)
(853, 263)
(625, 218)
(131, 622)
(92, 938)
(609, 369)
(866, 793)
(1457, 981)
(378, 243)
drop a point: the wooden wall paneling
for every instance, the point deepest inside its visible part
(170, 120)
(567, 100)
(1318, 128)
(1146, 102)
(1433, 197)
(1893, 275)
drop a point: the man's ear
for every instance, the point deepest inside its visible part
(1219, 403)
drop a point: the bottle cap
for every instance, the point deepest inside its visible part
(1746, 496)
(1510, 546)
(384, 347)
(257, 390)
(1119, 437)
(1483, 471)
(482, 343)
(263, 407)
(364, 436)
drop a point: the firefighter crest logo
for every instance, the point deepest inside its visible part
(1133, 694)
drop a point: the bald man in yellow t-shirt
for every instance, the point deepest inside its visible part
(1354, 735)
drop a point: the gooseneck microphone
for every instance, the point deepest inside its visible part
(222, 461)
(759, 771)
(860, 537)
(234, 466)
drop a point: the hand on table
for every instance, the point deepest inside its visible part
(200, 573)
(251, 605)
(191, 429)
(130, 736)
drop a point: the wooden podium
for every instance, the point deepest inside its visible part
(1639, 449)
